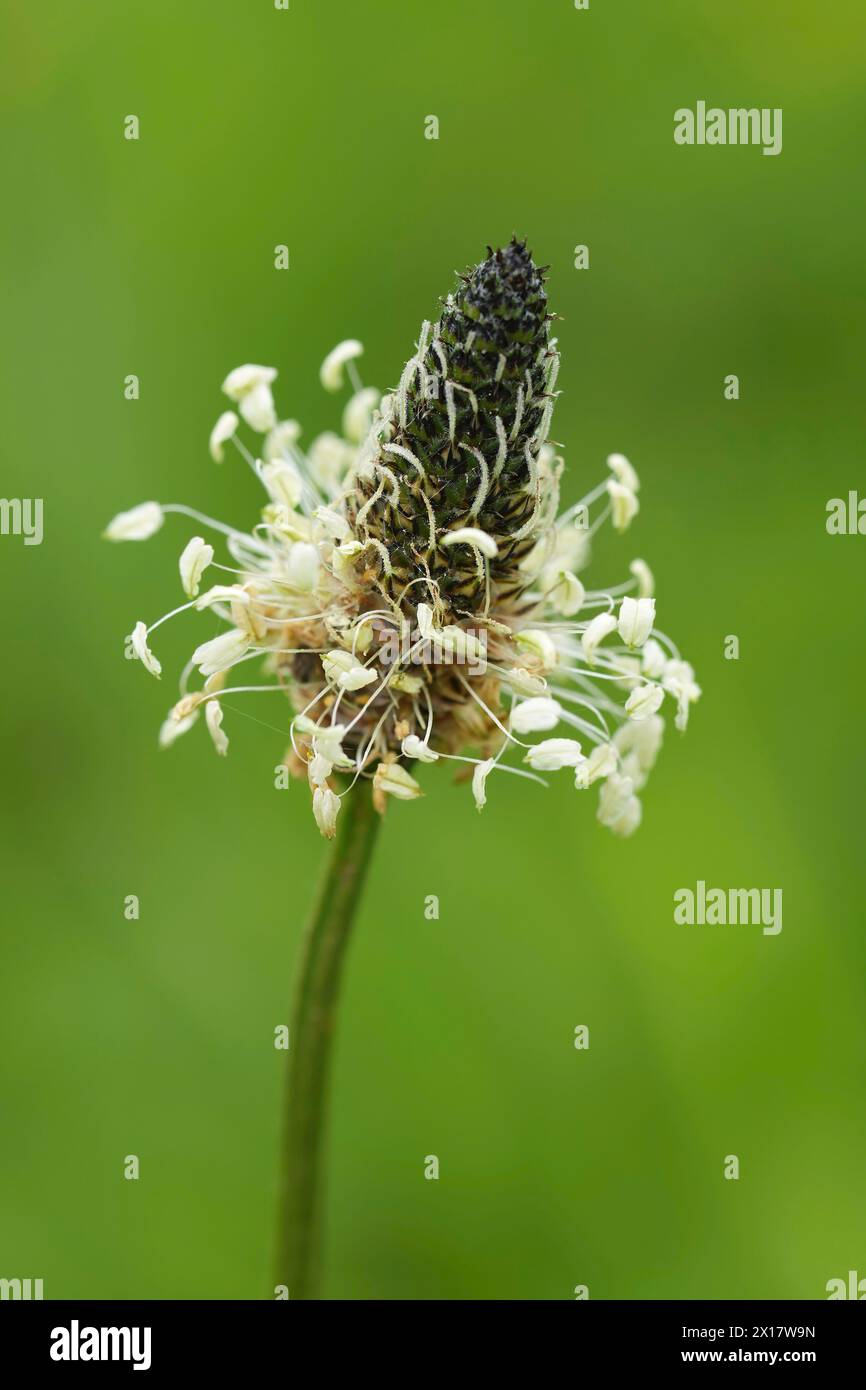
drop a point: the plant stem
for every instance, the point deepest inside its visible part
(311, 1030)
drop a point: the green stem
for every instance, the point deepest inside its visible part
(311, 1030)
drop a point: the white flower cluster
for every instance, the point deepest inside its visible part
(301, 592)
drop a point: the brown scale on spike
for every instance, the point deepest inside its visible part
(467, 452)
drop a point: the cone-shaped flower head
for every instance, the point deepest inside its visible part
(410, 585)
(459, 447)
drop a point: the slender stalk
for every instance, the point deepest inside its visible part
(311, 1030)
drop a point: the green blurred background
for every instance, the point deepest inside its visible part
(155, 1037)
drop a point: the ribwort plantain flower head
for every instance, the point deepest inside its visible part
(412, 588)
